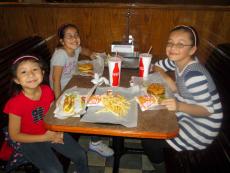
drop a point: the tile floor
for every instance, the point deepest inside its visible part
(129, 163)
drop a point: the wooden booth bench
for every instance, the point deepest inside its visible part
(216, 158)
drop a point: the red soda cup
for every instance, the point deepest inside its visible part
(114, 65)
(144, 64)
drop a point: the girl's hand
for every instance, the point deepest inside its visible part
(54, 137)
(171, 83)
(59, 138)
(93, 55)
(171, 104)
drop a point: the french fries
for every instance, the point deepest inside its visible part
(116, 104)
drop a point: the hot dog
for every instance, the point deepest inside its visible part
(69, 103)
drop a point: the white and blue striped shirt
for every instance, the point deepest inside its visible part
(195, 86)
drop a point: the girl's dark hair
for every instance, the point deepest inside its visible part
(191, 30)
(62, 29)
(16, 88)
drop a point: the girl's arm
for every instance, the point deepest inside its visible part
(16, 135)
(87, 52)
(197, 85)
(171, 83)
(57, 73)
(190, 109)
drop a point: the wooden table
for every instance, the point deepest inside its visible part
(157, 124)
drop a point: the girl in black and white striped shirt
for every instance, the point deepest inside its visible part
(197, 103)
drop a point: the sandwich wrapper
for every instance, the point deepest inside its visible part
(98, 66)
(59, 113)
(143, 83)
(78, 92)
(128, 120)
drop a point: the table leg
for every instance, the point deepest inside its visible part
(119, 150)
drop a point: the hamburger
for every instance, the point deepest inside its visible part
(156, 89)
(87, 67)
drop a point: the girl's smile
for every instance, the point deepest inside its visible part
(32, 81)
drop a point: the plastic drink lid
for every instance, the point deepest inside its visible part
(116, 58)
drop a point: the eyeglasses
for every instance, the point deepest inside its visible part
(178, 45)
(71, 37)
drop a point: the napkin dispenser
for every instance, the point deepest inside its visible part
(122, 47)
(126, 50)
(126, 47)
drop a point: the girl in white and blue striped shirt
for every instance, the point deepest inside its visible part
(197, 103)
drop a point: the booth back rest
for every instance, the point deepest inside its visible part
(218, 64)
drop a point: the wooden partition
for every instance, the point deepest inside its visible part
(102, 23)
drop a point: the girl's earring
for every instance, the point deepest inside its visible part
(16, 81)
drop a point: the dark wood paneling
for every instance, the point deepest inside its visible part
(101, 24)
(204, 2)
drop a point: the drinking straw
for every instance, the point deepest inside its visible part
(150, 49)
(116, 57)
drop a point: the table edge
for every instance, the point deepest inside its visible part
(106, 132)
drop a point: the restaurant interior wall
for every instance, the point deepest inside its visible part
(102, 23)
(204, 2)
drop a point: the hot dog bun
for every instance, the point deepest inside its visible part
(69, 103)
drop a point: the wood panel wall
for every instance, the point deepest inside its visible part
(101, 24)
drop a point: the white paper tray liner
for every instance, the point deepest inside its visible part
(130, 120)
